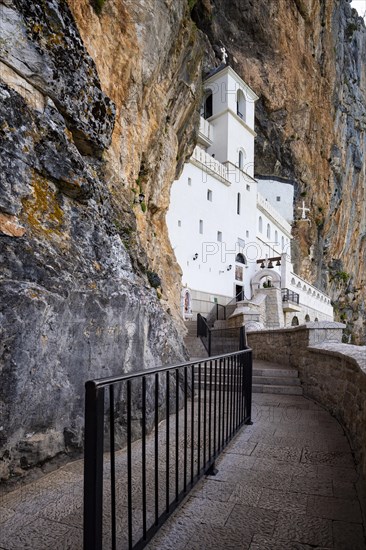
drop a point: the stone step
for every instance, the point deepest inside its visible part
(195, 347)
(277, 380)
(275, 372)
(284, 390)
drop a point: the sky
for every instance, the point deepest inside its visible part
(360, 6)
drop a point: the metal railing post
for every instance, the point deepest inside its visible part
(248, 376)
(93, 467)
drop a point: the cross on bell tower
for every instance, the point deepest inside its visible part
(224, 54)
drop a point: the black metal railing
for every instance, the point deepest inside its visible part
(204, 332)
(231, 306)
(150, 436)
(217, 313)
(290, 296)
(220, 312)
(218, 340)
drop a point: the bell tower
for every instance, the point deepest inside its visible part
(229, 106)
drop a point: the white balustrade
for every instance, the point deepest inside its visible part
(210, 163)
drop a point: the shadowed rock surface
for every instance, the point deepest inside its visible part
(76, 301)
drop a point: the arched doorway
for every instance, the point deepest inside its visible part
(262, 277)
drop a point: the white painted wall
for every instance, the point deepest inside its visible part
(273, 190)
(189, 205)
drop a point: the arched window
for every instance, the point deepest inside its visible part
(238, 199)
(240, 258)
(276, 237)
(293, 282)
(241, 104)
(260, 224)
(208, 105)
(283, 243)
(241, 160)
(307, 318)
(295, 322)
(268, 231)
(316, 320)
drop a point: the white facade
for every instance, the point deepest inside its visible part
(280, 195)
(219, 225)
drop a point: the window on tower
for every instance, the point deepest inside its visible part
(208, 105)
(241, 104)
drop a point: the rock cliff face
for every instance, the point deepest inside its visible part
(95, 109)
(99, 104)
(307, 62)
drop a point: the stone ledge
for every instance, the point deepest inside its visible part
(353, 354)
(329, 325)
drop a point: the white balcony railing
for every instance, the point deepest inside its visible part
(206, 129)
(309, 294)
(210, 164)
(266, 206)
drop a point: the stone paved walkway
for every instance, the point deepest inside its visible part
(287, 482)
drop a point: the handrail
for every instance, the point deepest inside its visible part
(238, 298)
(214, 339)
(204, 332)
(290, 296)
(192, 409)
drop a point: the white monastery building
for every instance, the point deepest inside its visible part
(231, 233)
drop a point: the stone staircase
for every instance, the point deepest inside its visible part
(194, 345)
(267, 377)
(272, 378)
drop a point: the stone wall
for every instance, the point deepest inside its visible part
(332, 373)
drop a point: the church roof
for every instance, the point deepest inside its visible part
(234, 75)
(216, 70)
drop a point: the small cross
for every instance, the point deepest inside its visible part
(303, 211)
(224, 54)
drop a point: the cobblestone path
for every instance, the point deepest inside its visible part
(287, 482)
